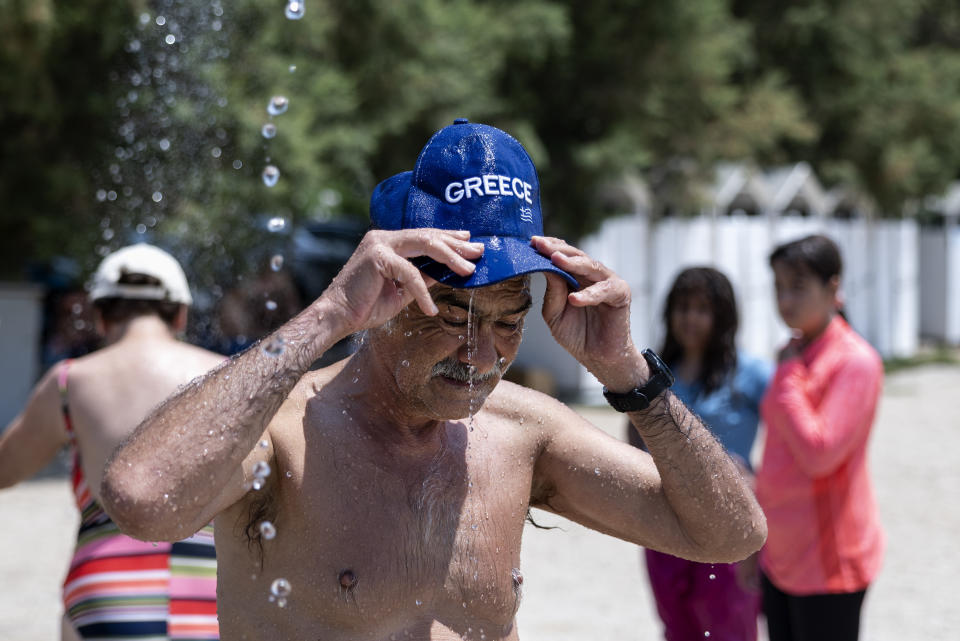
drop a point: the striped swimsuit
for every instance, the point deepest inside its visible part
(121, 588)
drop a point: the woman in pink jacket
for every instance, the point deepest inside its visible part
(825, 542)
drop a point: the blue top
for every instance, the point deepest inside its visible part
(732, 411)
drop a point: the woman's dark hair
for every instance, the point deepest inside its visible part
(120, 310)
(816, 254)
(720, 356)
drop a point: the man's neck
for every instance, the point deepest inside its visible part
(382, 409)
(140, 328)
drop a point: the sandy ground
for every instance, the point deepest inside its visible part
(583, 585)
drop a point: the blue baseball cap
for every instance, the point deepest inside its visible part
(474, 177)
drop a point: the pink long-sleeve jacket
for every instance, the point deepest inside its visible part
(824, 533)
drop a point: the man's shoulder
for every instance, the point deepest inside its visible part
(511, 398)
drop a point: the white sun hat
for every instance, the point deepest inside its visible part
(141, 260)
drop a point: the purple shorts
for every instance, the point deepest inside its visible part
(692, 604)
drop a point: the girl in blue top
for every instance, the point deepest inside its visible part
(724, 387)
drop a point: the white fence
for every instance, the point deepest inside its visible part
(880, 283)
(940, 282)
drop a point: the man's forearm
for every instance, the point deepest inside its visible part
(179, 460)
(713, 503)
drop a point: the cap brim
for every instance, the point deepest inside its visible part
(504, 257)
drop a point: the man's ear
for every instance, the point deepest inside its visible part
(180, 320)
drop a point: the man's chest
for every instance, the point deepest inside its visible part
(378, 540)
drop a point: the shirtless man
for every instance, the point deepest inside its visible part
(401, 476)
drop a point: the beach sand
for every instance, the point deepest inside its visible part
(579, 584)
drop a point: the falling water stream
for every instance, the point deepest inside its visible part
(471, 354)
(280, 588)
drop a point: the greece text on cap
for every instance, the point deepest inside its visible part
(488, 185)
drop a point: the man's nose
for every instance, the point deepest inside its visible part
(479, 349)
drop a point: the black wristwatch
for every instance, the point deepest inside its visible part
(639, 397)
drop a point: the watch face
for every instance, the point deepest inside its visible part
(658, 367)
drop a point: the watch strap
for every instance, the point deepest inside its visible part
(639, 398)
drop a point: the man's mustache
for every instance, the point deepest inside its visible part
(460, 371)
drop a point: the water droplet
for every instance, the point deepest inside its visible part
(157, 196)
(144, 18)
(164, 144)
(237, 164)
(270, 175)
(464, 604)
(596, 471)
(277, 223)
(294, 10)
(161, 21)
(271, 305)
(261, 469)
(107, 234)
(419, 602)
(289, 474)
(474, 526)
(277, 105)
(405, 363)
(170, 39)
(293, 68)
(274, 346)
(269, 130)
(112, 195)
(264, 444)
(280, 588)
(706, 633)
(713, 576)
(216, 152)
(257, 484)
(141, 229)
(267, 530)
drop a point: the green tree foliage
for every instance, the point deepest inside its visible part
(879, 78)
(112, 132)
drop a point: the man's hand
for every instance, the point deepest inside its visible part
(593, 324)
(379, 281)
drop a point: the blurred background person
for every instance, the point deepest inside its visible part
(118, 587)
(826, 543)
(255, 307)
(724, 388)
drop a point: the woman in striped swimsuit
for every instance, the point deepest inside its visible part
(118, 587)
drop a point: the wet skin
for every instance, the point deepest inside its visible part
(390, 531)
(379, 473)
